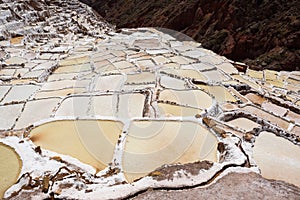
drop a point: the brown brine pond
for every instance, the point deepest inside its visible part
(148, 145)
(277, 158)
(10, 167)
(244, 123)
(151, 144)
(90, 141)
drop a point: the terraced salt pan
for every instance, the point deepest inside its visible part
(45, 65)
(278, 110)
(215, 76)
(277, 158)
(192, 98)
(106, 69)
(276, 83)
(270, 74)
(292, 87)
(237, 94)
(186, 73)
(211, 60)
(35, 111)
(130, 105)
(73, 68)
(33, 74)
(123, 65)
(144, 87)
(74, 106)
(58, 93)
(258, 100)
(109, 83)
(9, 115)
(75, 61)
(192, 53)
(172, 66)
(147, 43)
(227, 68)
(129, 70)
(255, 74)
(203, 66)
(8, 72)
(244, 124)
(105, 105)
(181, 60)
(160, 60)
(20, 93)
(145, 64)
(16, 61)
(245, 81)
(63, 84)
(90, 141)
(168, 110)
(141, 78)
(16, 40)
(267, 116)
(100, 63)
(296, 130)
(134, 56)
(172, 83)
(219, 92)
(10, 167)
(229, 107)
(70, 76)
(293, 80)
(3, 91)
(293, 117)
(150, 144)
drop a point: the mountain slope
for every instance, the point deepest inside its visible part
(262, 33)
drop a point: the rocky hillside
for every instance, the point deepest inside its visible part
(262, 33)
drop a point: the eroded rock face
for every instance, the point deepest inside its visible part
(98, 113)
(264, 34)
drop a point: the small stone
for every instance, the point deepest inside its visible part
(221, 147)
(45, 184)
(209, 122)
(248, 136)
(58, 191)
(198, 116)
(56, 158)
(156, 173)
(38, 150)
